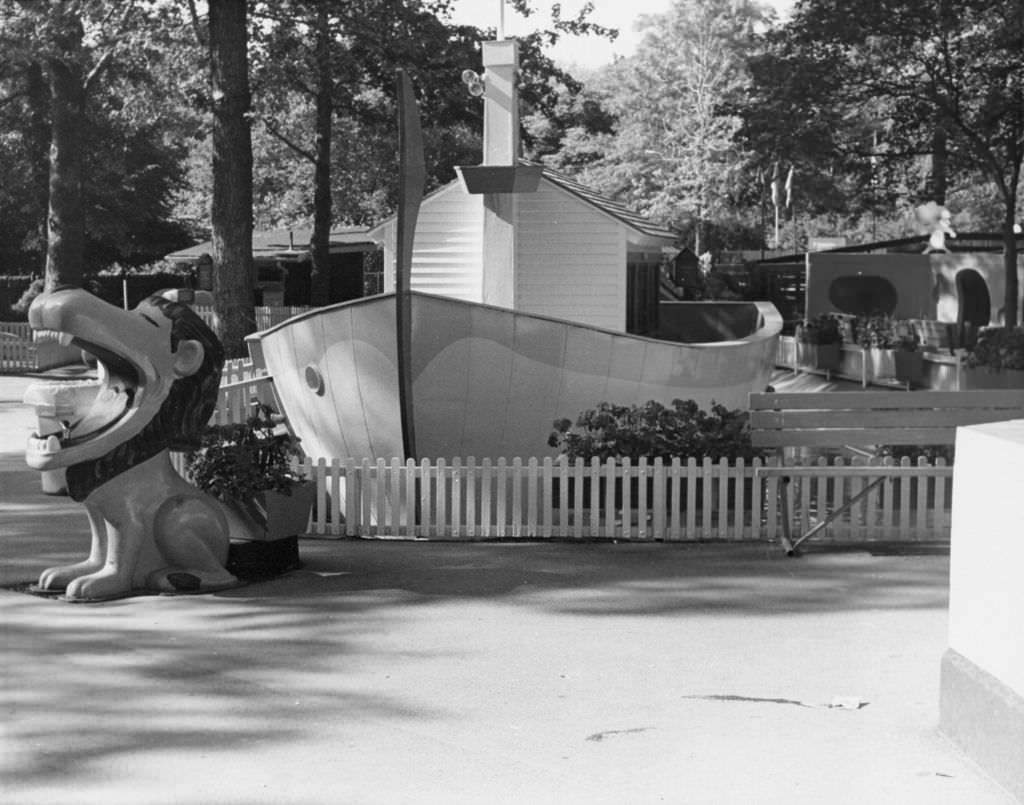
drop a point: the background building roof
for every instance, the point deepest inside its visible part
(288, 244)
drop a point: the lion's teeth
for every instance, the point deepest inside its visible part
(65, 339)
(53, 445)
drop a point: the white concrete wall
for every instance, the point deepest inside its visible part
(986, 606)
(571, 260)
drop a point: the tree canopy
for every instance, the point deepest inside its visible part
(944, 79)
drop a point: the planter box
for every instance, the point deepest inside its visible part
(982, 378)
(256, 560)
(895, 364)
(909, 367)
(934, 334)
(274, 515)
(825, 357)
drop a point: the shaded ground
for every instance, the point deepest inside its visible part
(386, 672)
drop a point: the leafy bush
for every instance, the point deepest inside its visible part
(234, 462)
(20, 308)
(886, 332)
(653, 430)
(930, 452)
(822, 329)
(998, 348)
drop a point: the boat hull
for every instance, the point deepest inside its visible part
(486, 381)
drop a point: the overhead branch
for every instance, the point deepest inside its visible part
(197, 26)
(104, 60)
(305, 153)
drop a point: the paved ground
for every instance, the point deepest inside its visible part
(387, 672)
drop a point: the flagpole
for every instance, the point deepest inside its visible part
(796, 247)
(762, 177)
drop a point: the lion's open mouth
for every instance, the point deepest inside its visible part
(70, 413)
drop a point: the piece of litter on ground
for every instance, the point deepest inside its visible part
(847, 702)
(838, 702)
(600, 736)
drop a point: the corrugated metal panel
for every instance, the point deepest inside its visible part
(570, 260)
(448, 251)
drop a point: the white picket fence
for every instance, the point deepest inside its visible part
(552, 498)
(685, 500)
(17, 349)
(239, 369)
(265, 316)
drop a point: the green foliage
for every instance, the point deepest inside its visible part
(929, 452)
(885, 332)
(234, 462)
(671, 155)
(821, 329)
(653, 430)
(20, 308)
(998, 348)
(133, 127)
(852, 87)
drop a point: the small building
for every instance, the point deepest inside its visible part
(544, 244)
(283, 264)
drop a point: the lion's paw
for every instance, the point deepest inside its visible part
(97, 586)
(58, 578)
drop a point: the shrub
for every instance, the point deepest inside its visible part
(885, 332)
(930, 452)
(822, 329)
(20, 308)
(653, 430)
(998, 348)
(235, 462)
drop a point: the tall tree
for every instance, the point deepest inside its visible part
(120, 134)
(324, 86)
(672, 155)
(69, 46)
(336, 60)
(945, 77)
(231, 209)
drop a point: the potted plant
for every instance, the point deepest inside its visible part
(819, 342)
(891, 348)
(251, 468)
(996, 360)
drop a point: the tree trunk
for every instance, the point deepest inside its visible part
(937, 179)
(39, 145)
(320, 247)
(231, 209)
(66, 213)
(1011, 303)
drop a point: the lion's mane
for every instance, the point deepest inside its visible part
(179, 423)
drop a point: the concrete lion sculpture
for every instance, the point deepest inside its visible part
(159, 371)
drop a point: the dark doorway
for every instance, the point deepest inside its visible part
(974, 306)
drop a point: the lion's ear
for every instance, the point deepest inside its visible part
(188, 357)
